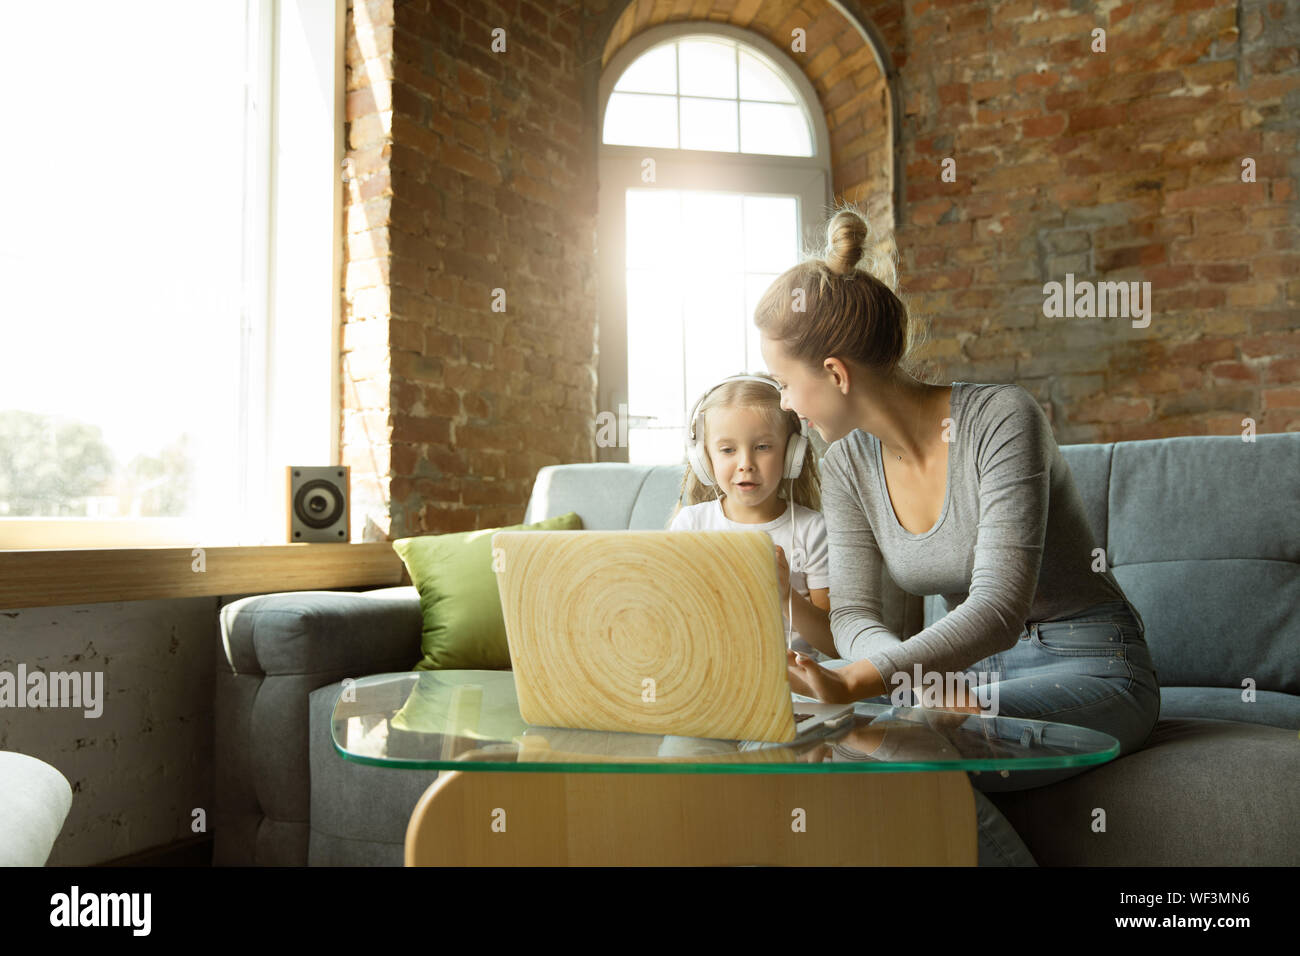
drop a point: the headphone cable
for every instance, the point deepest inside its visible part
(789, 564)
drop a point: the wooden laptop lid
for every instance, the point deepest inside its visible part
(647, 632)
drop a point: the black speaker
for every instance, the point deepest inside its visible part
(318, 503)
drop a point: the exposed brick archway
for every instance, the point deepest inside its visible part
(845, 54)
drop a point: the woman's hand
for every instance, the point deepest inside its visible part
(782, 576)
(809, 678)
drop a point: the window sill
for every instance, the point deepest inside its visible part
(100, 575)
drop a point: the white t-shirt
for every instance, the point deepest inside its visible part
(804, 545)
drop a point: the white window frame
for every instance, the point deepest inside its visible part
(290, 298)
(807, 178)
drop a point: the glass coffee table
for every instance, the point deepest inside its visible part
(884, 786)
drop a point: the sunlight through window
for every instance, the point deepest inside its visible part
(697, 263)
(121, 274)
(706, 94)
(714, 177)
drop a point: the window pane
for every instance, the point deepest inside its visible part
(697, 264)
(771, 233)
(708, 68)
(758, 81)
(712, 235)
(770, 128)
(654, 345)
(713, 320)
(755, 286)
(638, 119)
(653, 228)
(120, 322)
(709, 124)
(656, 446)
(652, 72)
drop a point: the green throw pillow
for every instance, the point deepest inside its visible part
(459, 600)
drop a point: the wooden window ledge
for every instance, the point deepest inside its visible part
(42, 578)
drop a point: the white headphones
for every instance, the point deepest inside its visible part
(795, 447)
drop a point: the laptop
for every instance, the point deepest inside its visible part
(651, 632)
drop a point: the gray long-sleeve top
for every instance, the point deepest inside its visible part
(1012, 544)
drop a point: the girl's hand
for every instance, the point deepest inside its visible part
(782, 575)
(809, 678)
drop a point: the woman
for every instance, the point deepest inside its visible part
(962, 491)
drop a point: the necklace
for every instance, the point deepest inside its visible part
(899, 457)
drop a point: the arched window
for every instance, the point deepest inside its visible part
(714, 173)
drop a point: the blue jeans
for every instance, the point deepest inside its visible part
(1090, 670)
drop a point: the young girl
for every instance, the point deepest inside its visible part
(740, 439)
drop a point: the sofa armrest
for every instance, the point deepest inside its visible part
(275, 650)
(308, 632)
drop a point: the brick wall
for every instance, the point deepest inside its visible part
(1115, 166)
(469, 336)
(474, 170)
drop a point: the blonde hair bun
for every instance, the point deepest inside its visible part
(846, 240)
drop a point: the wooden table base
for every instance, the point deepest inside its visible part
(492, 818)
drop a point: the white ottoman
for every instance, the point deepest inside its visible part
(34, 801)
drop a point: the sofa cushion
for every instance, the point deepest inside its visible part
(463, 626)
(1090, 467)
(1215, 621)
(1224, 703)
(610, 496)
(1199, 793)
(1204, 537)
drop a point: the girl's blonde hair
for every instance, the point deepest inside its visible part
(767, 401)
(841, 301)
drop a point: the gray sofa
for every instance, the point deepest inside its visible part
(1203, 533)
